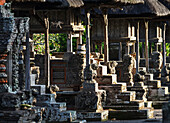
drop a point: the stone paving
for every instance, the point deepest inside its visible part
(157, 119)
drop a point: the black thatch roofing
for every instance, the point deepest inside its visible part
(115, 1)
(63, 3)
(150, 7)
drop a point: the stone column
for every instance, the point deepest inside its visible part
(106, 40)
(164, 45)
(9, 67)
(120, 51)
(47, 51)
(27, 63)
(69, 43)
(146, 46)
(137, 48)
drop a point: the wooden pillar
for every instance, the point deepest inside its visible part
(120, 51)
(137, 48)
(164, 45)
(47, 57)
(156, 46)
(159, 47)
(146, 46)
(150, 48)
(27, 63)
(88, 39)
(143, 50)
(80, 38)
(69, 43)
(127, 50)
(106, 40)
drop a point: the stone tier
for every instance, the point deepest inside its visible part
(129, 105)
(145, 113)
(93, 116)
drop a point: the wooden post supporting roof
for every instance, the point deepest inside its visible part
(106, 40)
(27, 64)
(137, 48)
(69, 43)
(146, 46)
(164, 45)
(88, 39)
(120, 51)
(47, 57)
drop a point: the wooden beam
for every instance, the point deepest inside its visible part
(38, 18)
(164, 45)
(69, 43)
(146, 46)
(47, 57)
(106, 35)
(120, 51)
(137, 48)
(88, 39)
(27, 64)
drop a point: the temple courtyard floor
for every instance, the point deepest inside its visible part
(157, 119)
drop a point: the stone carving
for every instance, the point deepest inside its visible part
(90, 73)
(139, 78)
(54, 89)
(57, 24)
(90, 100)
(156, 63)
(75, 70)
(164, 75)
(9, 101)
(125, 69)
(111, 66)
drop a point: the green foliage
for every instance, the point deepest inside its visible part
(167, 49)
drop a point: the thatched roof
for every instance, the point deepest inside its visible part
(150, 7)
(116, 1)
(63, 3)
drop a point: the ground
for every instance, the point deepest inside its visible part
(157, 119)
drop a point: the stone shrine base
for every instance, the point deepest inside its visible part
(131, 114)
(93, 116)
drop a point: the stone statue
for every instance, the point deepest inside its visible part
(111, 66)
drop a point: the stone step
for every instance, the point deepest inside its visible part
(39, 88)
(93, 116)
(159, 104)
(131, 114)
(126, 96)
(107, 79)
(154, 83)
(79, 121)
(140, 92)
(45, 100)
(61, 106)
(119, 87)
(53, 115)
(131, 105)
(148, 104)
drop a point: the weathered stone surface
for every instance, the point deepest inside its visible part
(107, 79)
(125, 69)
(90, 100)
(9, 101)
(131, 114)
(93, 116)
